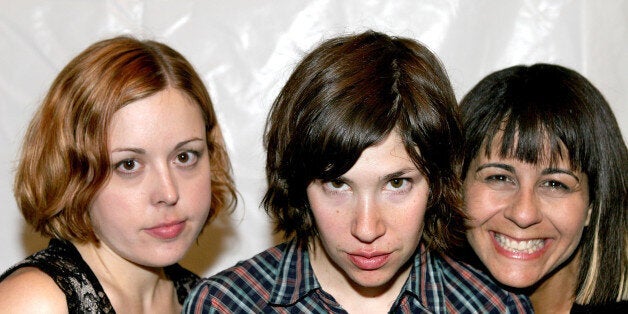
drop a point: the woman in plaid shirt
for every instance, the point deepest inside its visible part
(363, 146)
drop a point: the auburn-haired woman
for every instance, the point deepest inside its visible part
(122, 166)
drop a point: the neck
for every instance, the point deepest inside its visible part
(350, 295)
(129, 286)
(556, 293)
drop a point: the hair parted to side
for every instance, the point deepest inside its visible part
(545, 104)
(346, 95)
(64, 158)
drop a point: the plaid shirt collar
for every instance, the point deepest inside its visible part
(296, 279)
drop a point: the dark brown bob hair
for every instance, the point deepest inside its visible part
(346, 95)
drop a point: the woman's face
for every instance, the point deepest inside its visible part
(370, 219)
(157, 198)
(525, 219)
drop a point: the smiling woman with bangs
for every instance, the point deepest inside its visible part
(545, 181)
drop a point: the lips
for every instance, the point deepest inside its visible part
(167, 231)
(520, 249)
(369, 261)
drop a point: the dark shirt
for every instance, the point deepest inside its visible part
(611, 308)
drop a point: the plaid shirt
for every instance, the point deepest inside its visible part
(281, 280)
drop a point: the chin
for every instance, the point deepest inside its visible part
(160, 262)
(373, 279)
(515, 281)
(370, 283)
(163, 258)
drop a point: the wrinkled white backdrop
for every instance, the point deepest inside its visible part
(245, 49)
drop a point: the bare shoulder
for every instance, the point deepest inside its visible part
(29, 290)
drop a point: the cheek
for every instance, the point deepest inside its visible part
(480, 204)
(199, 189)
(109, 209)
(412, 216)
(195, 189)
(474, 206)
(328, 218)
(570, 218)
(328, 221)
(115, 199)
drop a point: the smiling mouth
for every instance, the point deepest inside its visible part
(529, 246)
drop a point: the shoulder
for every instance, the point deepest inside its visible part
(63, 267)
(59, 258)
(248, 284)
(465, 284)
(259, 269)
(19, 288)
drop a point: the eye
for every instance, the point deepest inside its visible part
(336, 186)
(498, 178)
(187, 158)
(398, 184)
(183, 158)
(556, 185)
(127, 166)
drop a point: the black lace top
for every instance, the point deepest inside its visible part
(83, 292)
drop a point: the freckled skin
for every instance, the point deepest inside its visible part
(376, 208)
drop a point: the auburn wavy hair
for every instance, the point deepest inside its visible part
(64, 158)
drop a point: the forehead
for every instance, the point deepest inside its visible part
(390, 149)
(159, 117)
(381, 162)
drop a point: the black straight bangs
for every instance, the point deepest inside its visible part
(533, 122)
(532, 142)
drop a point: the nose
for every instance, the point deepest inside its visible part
(524, 210)
(165, 191)
(367, 223)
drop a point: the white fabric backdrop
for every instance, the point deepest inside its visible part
(245, 49)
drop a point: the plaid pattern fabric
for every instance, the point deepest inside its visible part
(281, 280)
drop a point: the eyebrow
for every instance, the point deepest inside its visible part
(511, 169)
(506, 167)
(141, 151)
(385, 178)
(397, 174)
(558, 170)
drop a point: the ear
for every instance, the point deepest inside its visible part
(589, 209)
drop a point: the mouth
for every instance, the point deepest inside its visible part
(515, 246)
(369, 261)
(167, 231)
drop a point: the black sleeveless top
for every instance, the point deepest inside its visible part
(607, 308)
(84, 294)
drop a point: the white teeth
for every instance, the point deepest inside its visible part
(529, 246)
